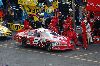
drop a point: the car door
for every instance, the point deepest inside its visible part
(36, 38)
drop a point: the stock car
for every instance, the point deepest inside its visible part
(4, 31)
(43, 38)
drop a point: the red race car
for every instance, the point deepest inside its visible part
(43, 38)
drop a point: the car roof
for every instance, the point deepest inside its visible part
(43, 30)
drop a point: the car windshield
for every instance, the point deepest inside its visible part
(50, 34)
(53, 33)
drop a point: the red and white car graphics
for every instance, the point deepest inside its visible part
(44, 38)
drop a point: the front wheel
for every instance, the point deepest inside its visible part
(24, 42)
(49, 47)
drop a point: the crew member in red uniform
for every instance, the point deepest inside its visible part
(69, 32)
(84, 34)
(69, 20)
(72, 35)
(53, 25)
(26, 24)
(67, 24)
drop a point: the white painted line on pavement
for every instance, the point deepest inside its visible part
(77, 58)
(95, 61)
(50, 64)
(16, 48)
(85, 54)
(29, 50)
(71, 57)
(59, 55)
(66, 56)
(41, 52)
(89, 60)
(5, 44)
(83, 59)
(47, 53)
(90, 53)
(81, 55)
(10, 47)
(11, 43)
(53, 54)
(35, 51)
(96, 52)
(1, 45)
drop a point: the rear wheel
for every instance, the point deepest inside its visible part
(24, 42)
(49, 47)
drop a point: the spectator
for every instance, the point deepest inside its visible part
(47, 22)
(39, 23)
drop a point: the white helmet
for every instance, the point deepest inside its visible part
(70, 10)
(85, 21)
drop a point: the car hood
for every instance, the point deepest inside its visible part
(23, 33)
(57, 38)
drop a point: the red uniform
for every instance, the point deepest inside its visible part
(1, 14)
(67, 26)
(84, 35)
(26, 24)
(69, 31)
(68, 23)
(71, 34)
(69, 20)
(53, 25)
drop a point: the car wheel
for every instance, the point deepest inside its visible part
(49, 47)
(24, 40)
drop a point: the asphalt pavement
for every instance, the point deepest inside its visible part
(12, 54)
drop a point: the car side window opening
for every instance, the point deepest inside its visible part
(53, 33)
(37, 34)
(30, 33)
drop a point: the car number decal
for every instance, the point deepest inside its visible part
(36, 40)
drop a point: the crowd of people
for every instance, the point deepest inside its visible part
(65, 26)
(59, 24)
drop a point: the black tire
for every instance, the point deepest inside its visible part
(24, 40)
(49, 47)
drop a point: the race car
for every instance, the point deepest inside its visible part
(43, 38)
(4, 31)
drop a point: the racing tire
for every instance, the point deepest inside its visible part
(24, 42)
(49, 47)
